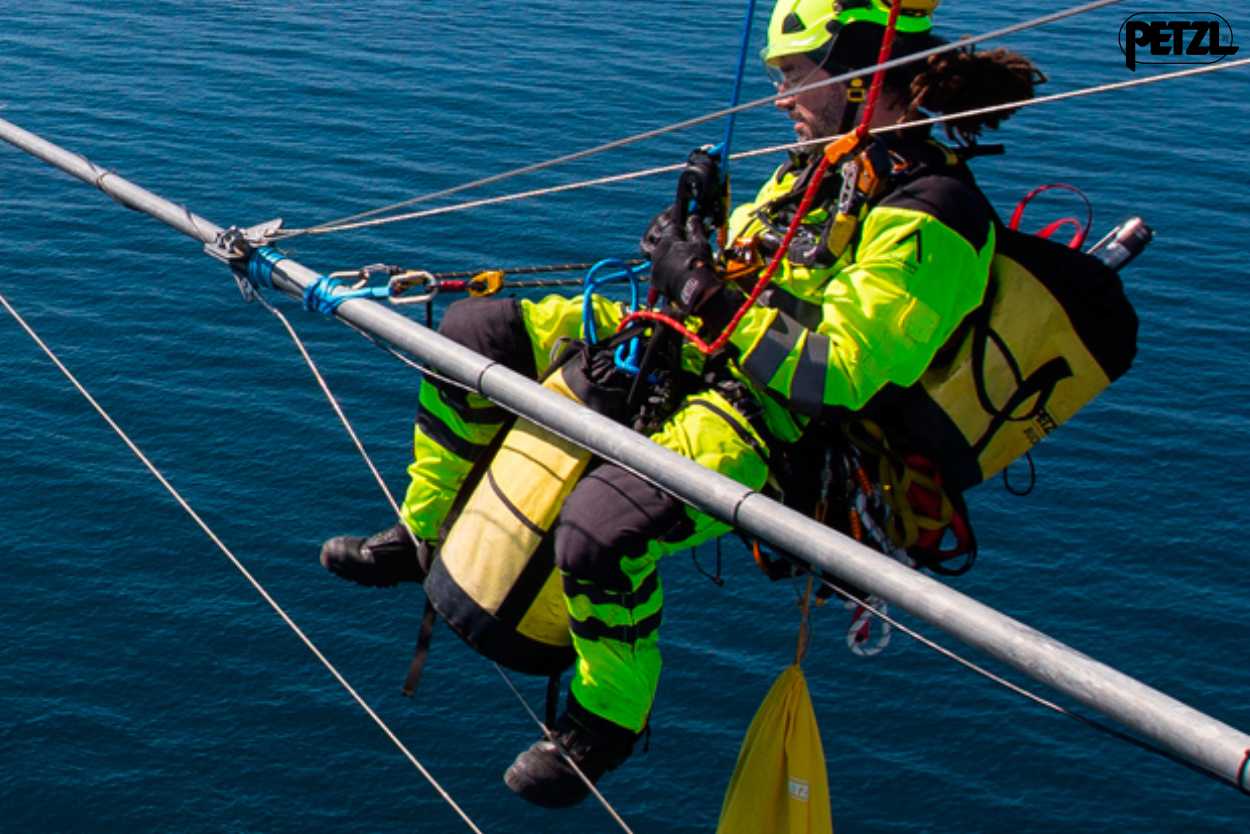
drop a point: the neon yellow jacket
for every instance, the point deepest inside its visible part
(834, 334)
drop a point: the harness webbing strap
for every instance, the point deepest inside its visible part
(423, 649)
(553, 699)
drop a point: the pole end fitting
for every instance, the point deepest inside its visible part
(234, 244)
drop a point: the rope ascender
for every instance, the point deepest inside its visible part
(842, 148)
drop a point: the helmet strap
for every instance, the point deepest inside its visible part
(856, 93)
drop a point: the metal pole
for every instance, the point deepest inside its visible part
(1198, 738)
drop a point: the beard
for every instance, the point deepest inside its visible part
(827, 121)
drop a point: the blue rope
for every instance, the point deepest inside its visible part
(593, 281)
(722, 150)
(320, 296)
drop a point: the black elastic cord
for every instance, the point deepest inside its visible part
(423, 649)
(553, 699)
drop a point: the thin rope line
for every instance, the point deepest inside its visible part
(338, 410)
(1101, 88)
(1091, 723)
(156, 473)
(346, 223)
(771, 149)
(325, 388)
(550, 737)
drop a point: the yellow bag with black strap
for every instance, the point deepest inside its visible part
(1055, 330)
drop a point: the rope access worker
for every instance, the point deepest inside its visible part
(847, 316)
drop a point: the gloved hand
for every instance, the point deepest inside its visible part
(681, 266)
(700, 187)
(663, 229)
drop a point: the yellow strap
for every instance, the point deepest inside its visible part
(486, 283)
(896, 479)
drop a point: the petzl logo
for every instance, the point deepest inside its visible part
(1175, 38)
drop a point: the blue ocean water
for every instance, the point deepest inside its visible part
(144, 686)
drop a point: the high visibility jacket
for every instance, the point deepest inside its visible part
(837, 327)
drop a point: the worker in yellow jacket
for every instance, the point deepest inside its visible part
(853, 309)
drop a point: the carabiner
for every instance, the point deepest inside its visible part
(400, 283)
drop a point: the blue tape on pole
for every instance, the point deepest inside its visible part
(1243, 776)
(260, 266)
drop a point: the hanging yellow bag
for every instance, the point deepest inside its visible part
(779, 785)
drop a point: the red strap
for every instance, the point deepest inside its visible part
(1078, 240)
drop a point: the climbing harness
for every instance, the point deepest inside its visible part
(836, 152)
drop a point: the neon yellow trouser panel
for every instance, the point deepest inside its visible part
(615, 606)
(453, 427)
(614, 595)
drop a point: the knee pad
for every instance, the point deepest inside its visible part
(492, 327)
(610, 515)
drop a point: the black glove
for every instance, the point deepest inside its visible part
(700, 187)
(681, 267)
(590, 372)
(663, 230)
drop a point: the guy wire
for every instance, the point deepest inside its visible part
(260, 589)
(771, 149)
(350, 222)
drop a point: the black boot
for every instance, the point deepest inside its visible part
(382, 560)
(543, 776)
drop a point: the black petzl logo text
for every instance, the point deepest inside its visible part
(1175, 38)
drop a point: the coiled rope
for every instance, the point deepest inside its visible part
(260, 589)
(351, 221)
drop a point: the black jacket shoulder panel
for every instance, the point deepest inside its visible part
(956, 203)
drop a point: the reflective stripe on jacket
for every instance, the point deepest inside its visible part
(833, 336)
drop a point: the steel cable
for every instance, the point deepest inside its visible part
(771, 149)
(260, 589)
(350, 222)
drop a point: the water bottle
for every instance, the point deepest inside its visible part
(1123, 243)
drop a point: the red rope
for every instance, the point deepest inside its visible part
(835, 152)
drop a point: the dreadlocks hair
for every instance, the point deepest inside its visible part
(963, 80)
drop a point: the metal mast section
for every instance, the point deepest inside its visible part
(1191, 735)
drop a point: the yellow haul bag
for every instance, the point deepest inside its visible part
(1056, 328)
(494, 580)
(779, 784)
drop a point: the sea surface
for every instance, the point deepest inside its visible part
(145, 686)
